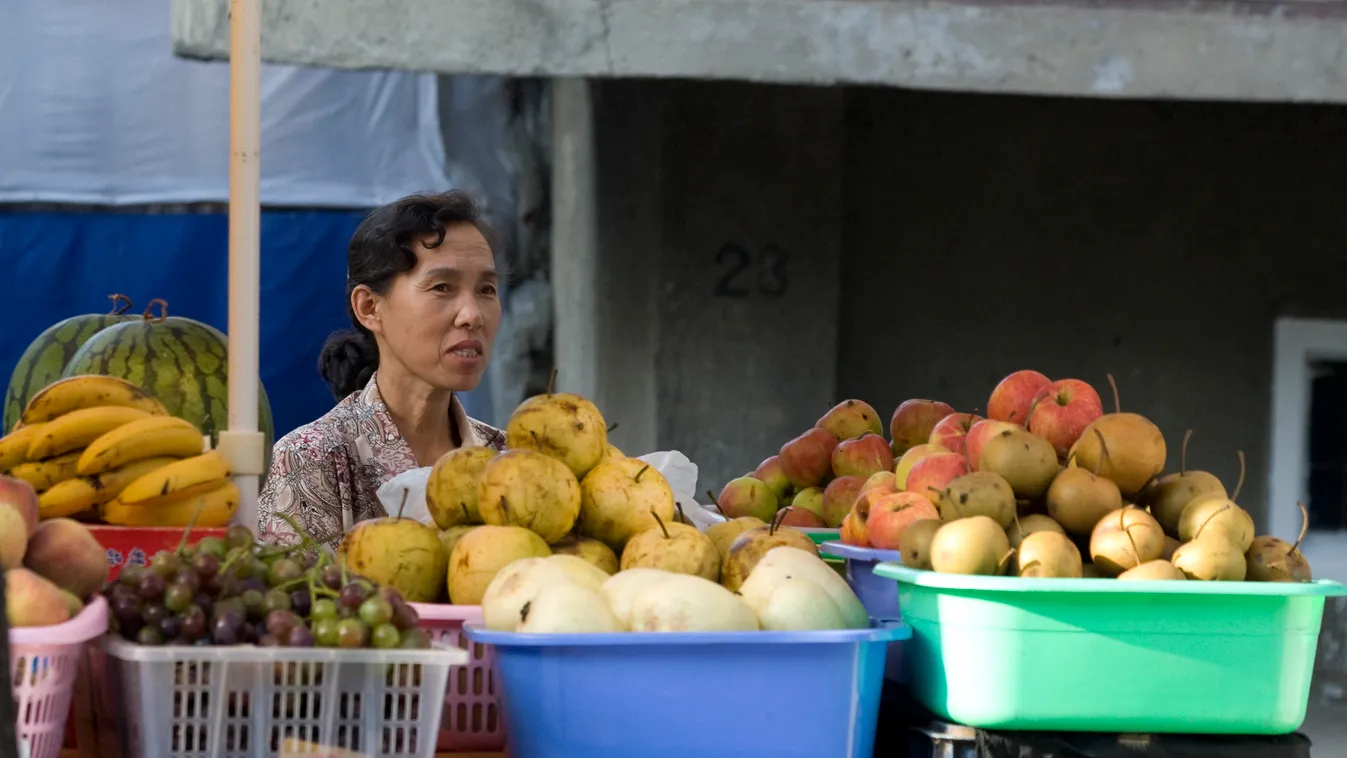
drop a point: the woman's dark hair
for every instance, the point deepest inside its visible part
(381, 250)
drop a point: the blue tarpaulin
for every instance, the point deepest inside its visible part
(61, 264)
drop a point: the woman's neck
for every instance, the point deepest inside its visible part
(421, 413)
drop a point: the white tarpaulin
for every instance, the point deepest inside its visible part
(95, 109)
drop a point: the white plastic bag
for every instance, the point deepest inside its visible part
(414, 482)
(681, 474)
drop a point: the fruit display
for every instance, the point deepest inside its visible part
(46, 356)
(181, 362)
(560, 490)
(51, 568)
(235, 590)
(787, 589)
(814, 478)
(98, 448)
(1048, 485)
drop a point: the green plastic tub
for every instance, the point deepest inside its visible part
(1100, 655)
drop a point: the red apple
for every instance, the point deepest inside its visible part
(1062, 411)
(809, 499)
(747, 496)
(863, 456)
(838, 497)
(1014, 396)
(773, 474)
(913, 421)
(850, 419)
(891, 516)
(978, 436)
(932, 474)
(909, 459)
(807, 459)
(881, 480)
(800, 517)
(853, 531)
(951, 430)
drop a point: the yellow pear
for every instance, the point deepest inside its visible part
(451, 490)
(590, 550)
(568, 608)
(673, 547)
(482, 553)
(401, 553)
(689, 603)
(561, 425)
(785, 564)
(532, 490)
(723, 533)
(617, 498)
(622, 588)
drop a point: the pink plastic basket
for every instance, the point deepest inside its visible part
(472, 714)
(44, 662)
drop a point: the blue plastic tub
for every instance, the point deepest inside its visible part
(878, 594)
(675, 695)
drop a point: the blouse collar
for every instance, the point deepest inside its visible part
(467, 431)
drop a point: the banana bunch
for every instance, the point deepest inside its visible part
(172, 495)
(84, 441)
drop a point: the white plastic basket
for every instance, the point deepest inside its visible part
(245, 701)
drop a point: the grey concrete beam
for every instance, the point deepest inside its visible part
(1289, 51)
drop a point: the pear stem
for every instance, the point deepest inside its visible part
(1183, 453)
(552, 381)
(1239, 483)
(715, 501)
(660, 521)
(644, 468)
(405, 492)
(467, 515)
(1117, 406)
(1103, 451)
(1197, 532)
(610, 429)
(776, 520)
(1304, 525)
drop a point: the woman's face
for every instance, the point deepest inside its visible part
(439, 320)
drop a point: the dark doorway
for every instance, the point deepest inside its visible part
(1328, 446)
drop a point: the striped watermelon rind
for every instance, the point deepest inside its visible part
(182, 362)
(46, 356)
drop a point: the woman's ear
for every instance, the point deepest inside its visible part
(365, 305)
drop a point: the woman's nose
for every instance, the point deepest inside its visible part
(469, 316)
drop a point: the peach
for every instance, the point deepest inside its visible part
(1062, 411)
(807, 459)
(909, 459)
(1014, 396)
(863, 456)
(913, 421)
(978, 436)
(951, 431)
(839, 496)
(850, 419)
(63, 551)
(933, 473)
(893, 514)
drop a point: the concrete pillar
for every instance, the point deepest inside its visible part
(574, 243)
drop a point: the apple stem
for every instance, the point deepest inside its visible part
(1103, 451)
(1183, 453)
(1199, 529)
(1117, 406)
(1239, 483)
(405, 492)
(1304, 525)
(776, 520)
(644, 468)
(552, 381)
(660, 521)
(1038, 399)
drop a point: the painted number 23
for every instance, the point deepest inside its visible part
(743, 273)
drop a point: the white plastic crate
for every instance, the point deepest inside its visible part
(244, 701)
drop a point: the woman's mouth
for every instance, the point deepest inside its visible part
(467, 350)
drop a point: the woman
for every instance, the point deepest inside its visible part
(422, 295)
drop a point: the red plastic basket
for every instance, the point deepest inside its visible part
(472, 718)
(134, 545)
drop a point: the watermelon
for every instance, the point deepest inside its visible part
(45, 358)
(182, 362)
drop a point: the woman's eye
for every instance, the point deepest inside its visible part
(441, 287)
(489, 289)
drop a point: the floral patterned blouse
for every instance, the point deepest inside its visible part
(326, 474)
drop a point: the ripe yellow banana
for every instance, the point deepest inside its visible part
(77, 429)
(88, 391)
(217, 509)
(146, 438)
(14, 446)
(186, 477)
(43, 475)
(84, 492)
